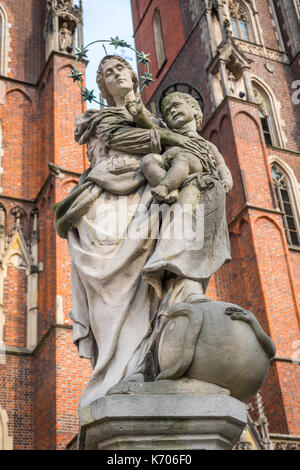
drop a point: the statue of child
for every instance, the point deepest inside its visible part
(177, 168)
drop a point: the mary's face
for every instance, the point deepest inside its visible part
(117, 78)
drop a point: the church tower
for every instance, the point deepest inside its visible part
(244, 57)
(39, 164)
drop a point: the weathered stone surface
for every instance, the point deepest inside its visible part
(170, 387)
(162, 422)
(216, 342)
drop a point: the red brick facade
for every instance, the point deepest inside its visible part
(40, 385)
(38, 105)
(264, 275)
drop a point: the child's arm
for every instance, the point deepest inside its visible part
(137, 111)
(167, 137)
(223, 169)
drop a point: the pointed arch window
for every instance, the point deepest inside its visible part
(217, 26)
(269, 121)
(4, 42)
(240, 20)
(264, 118)
(158, 39)
(285, 200)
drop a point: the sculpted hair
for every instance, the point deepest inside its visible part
(189, 100)
(101, 80)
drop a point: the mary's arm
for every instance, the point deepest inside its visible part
(122, 135)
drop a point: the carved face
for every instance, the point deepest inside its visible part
(117, 78)
(178, 112)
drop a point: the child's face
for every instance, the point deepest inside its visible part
(177, 113)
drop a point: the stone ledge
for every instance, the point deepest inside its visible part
(162, 422)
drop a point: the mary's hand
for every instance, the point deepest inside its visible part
(173, 139)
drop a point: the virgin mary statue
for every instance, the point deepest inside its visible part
(124, 271)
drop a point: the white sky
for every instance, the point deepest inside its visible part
(104, 19)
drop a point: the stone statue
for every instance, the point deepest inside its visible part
(121, 284)
(65, 38)
(170, 171)
(140, 313)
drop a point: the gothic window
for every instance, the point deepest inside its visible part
(267, 117)
(159, 40)
(4, 42)
(234, 27)
(264, 118)
(240, 20)
(217, 26)
(244, 30)
(285, 200)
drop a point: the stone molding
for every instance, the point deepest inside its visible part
(14, 251)
(5, 48)
(161, 422)
(261, 51)
(6, 441)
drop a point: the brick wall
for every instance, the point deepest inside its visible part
(144, 37)
(26, 38)
(72, 375)
(17, 398)
(15, 308)
(40, 389)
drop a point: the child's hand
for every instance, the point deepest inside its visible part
(135, 107)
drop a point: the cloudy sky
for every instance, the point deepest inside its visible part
(104, 19)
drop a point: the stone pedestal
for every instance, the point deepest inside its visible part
(149, 421)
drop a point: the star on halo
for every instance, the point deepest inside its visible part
(76, 75)
(143, 58)
(88, 95)
(81, 53)
(146, 79)
(117, 42)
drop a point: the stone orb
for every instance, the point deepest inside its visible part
(201, 341)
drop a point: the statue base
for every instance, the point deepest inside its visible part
(130, 418)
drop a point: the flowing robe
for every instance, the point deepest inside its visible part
(120, 256)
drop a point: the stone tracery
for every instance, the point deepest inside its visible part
(238, 10)
(17, 251)
(239, 20)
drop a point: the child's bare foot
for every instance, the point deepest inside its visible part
(160, 192)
